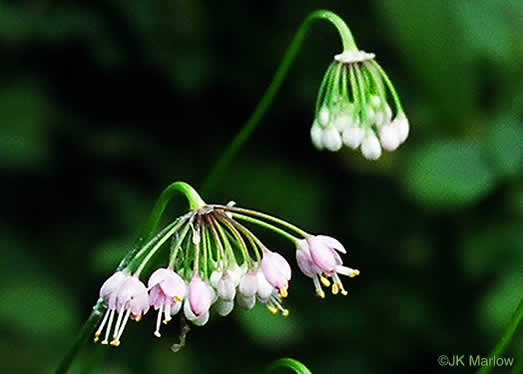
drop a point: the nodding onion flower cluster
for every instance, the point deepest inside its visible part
(352, 108)
(215, 261)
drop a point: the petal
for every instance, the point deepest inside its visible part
(112, 284)
(332, 243)
(200, 296)
(264, 288)
(322, 255)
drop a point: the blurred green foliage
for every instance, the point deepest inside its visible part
(102, 104)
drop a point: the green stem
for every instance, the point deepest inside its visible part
(279, 221)
(290, 363)
(194, 200)
(160, 242)
(147, 233)
(505, 340)
(243, 247)
(395, 96)
(83, 337)
(266, 225)
(271, 92)
(176, 246)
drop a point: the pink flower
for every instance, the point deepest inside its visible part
(318, 258)
(126, 296)
(277, 271)
(167, 291)
(201, 296)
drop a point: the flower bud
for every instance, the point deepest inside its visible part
(370, 146)
(353, 136)
(402, 124)
(200, 296)
(323, 116)
(317, 136)
(389, 137)
(246, 302)
(331, 139)
(189, 314)
(226, 287)
(248, 284)
(264, 288)
(223, 307)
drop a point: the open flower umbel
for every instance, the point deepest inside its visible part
(214, 262)
(353, 107)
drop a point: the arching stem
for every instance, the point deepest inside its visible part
(271, 92)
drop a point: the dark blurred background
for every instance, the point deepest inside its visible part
(102, 104)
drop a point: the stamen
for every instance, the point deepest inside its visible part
(109, 324)
(325, 281)
(337, 281)
(158, 322)
(167, 311)
(283, 292)
(139, 318)
(355, 273)
(275, 304)
(100, 328)
(335, 288)
(177, 299)
(317, 286)
(118, 321)
(116, 342)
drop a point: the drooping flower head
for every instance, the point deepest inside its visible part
(215, 263)
(353, 107)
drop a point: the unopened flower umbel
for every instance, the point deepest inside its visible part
(215, 263)
(353, 107)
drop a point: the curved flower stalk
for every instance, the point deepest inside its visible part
(353, 107)
(214, 263)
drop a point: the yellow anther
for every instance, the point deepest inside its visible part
(96, 339)
(320, 293)
(272, 309)
(105, 342)
(283, 292)
(335, 288)
(344, 293)
(325, 281)
(115, 343)
(176, 298)
(157, 334)
(139, 318)
(285, 312)
(355, 273)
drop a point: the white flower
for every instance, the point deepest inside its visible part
(317, 136)
(370, 146)
(389, 137)
(353, 136)
(331, 139)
